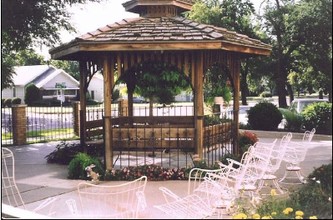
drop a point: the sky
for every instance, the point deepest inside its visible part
(91, 16)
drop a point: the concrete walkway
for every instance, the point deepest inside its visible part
(38, 180)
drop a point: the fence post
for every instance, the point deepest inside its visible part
(122, 107)
(19, 124)
(76, 117)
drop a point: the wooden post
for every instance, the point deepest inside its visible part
(108, 72)
(76, 117)
(198, 103)
(83, 102)
(235, 72)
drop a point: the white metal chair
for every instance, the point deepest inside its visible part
(275, 163)
(197, 203)
(126, 200)
(10, 194)
(251, 169)
(294, 156)
(213, 190)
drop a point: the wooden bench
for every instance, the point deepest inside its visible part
(163, 138)
(94, 133)
(144, 133)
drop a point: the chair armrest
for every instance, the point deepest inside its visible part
(142, 203)
(167, 194)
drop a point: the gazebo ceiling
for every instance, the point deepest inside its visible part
(158, 34)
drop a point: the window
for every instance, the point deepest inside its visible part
(70, 92)
(92, 94)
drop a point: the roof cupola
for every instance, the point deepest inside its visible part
(158, 8)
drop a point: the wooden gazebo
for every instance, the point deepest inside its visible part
(160, 34)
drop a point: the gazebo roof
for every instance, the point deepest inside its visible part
(158, 33)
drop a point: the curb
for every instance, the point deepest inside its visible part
(279, 134)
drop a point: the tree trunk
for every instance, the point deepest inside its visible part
(281, 75)
(151, 102)
(244, 87)
(291, 93)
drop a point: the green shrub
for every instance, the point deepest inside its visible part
(231, 156)
(65, 152)
(76, 168)
(319, 116)
(16, 101)
(266, 95)
(245, 140)
(264, 116)
(214, 119)
(293, 120)
(313, 198)
(92, 102)
(54, 102)
(41, 103)
(8, 102)
(32, 94)
(115, 95)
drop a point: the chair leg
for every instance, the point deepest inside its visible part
(300, 176)
(277, 186)
(275, 183)
(260, 185)
(284, 176)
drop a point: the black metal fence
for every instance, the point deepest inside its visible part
(56, 123)
(6, 126)
(153, 146)
(49, 123)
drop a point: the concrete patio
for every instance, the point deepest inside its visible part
(38, 180)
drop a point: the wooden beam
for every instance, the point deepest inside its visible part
(108, 72)
(198, 103)
(83, 103)
(119, 64)
(193, 67)
(235, 72)
(149, 46)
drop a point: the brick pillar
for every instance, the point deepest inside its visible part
(19, 124)
(123, 107)
(76, 117)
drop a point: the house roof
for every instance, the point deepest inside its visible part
(38, 74)
(26, 74)
(162, 33)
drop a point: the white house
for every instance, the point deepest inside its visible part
(96, 86)
(54, 83)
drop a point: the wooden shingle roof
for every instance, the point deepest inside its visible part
(161, 34)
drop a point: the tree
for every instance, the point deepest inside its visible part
(155, 81)
(70, 67)
(312, 25)
(217, 83)
(32, 94)
(234, 15)
(275, 23)
(302, 36)
(26, 23)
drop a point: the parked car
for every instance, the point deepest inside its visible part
(299, 104)
(139, 100)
